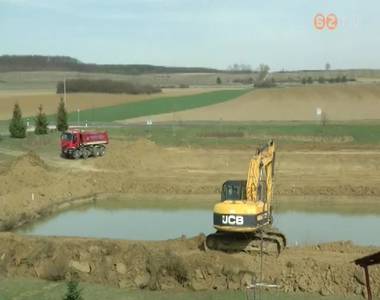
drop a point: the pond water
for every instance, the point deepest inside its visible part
(119, 220)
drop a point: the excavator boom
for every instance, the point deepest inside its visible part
(260, 174)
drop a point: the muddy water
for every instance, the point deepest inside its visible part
(121, 220)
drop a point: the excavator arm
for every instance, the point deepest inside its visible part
(260, 174)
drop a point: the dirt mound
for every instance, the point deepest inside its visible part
(30, 159)
(139, 156)
(179, 264)
(26, 170)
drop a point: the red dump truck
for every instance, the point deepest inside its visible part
(76, 143)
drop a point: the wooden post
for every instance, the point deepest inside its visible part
(367, 283)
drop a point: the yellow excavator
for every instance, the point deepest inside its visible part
(243, 218)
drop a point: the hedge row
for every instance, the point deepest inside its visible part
(105, 86)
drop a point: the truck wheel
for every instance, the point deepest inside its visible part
(102, 151)
(85, 153)
(76, 154)
(95, 151)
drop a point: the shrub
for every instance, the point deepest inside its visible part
(218, 80)
(243, 80)
(321, 79)
(17, 126)
(310, 80)
(73, 292)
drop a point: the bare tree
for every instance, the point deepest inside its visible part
(262, 78)
(262, 73)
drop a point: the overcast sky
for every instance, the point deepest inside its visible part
(208, 33)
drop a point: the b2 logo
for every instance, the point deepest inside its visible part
(329, 22)
(232, 220)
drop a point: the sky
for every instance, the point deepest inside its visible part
(202, 33)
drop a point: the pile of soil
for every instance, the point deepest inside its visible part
(27, 170)
(182, 264)
(128, 156)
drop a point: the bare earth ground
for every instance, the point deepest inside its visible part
(326, 269)
(143, 167)
(31, 187)
(29, 101)
(339, 102)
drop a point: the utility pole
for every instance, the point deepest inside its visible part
(64, 90)
(78, 111)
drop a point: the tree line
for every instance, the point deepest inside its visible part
(321, 79)
(66, 63)
(105, 86)
(17, 126)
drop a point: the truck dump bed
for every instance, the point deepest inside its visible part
(92, 138)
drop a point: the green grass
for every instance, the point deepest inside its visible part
(250, 134)
(155, 106)
(31, 289)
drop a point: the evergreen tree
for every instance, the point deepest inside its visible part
(62, 117)
(218, 80)
(41, 122)
(73, 292)
(17, 126)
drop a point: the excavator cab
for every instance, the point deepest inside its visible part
(234, 190)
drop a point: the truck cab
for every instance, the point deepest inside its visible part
(69, 142)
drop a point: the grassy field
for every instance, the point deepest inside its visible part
(29, 289)
(219, 135)
(155, 106)
(248, 134)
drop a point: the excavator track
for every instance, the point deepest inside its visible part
(271, 241)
